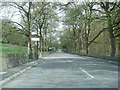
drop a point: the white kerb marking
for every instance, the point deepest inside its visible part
(87, 73)
(3, 72)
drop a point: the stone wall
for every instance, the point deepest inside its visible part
(12, 60)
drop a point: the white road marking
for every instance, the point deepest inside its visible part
(29, 67)
(91, 64)
(63, 58)
(66, 61)
(87, 73)
(3, 72)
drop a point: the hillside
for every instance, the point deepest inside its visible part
(15, 49)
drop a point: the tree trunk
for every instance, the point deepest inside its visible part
(29, 29)
(86, 42)
(30, 49)
(112, 39)
(74, 40)
(40, 43)
(45, 40)
(87, 50)
(37, 56)
(106, 7)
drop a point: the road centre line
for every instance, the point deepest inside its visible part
(87, 73)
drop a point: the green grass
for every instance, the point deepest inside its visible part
(9, 48)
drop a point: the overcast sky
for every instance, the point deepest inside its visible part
(8, 12)
(14, 15)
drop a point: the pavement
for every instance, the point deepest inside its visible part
(62, 70)
(9, 74)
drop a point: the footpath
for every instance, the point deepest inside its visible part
(11, 73)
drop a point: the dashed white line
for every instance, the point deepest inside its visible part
(29, 67)
(87, 73)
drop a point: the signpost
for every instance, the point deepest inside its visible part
(35, 39)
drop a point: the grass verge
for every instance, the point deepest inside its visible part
(14, 49)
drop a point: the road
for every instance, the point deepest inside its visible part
(61, 70)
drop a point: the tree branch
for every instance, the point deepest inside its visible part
(22, 16)
(98, 11)
(116, 24)
(97, 36)
(19, 24)
(22, 32)
(20, 7)
(40, 26)
(118, 35)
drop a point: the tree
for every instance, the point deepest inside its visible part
(109, 8)
(24, 9)
(45, 14)
(82, 17)
(72, 21)
(34, 17)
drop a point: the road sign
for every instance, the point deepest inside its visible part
(35, 39)
(34, 33)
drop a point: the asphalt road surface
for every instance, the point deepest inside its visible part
(61, 70)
